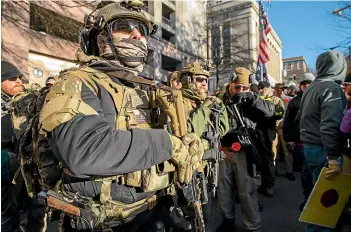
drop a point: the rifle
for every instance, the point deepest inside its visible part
(214, 155)
(190, 196)
(252, 156)
(78, 207)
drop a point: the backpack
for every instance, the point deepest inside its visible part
(40, 169)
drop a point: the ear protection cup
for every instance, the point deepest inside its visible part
(88, 41)
(88, 34)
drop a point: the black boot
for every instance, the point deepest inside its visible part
(269, 192)
(290, 176)
(227, 225)
(260, 206)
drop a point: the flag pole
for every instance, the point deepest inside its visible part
(261, 31)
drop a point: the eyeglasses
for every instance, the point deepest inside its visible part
(128, 25)
(244, 87)
(346, 83)
(201, 79)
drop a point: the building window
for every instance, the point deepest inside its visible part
(54, 24)
(169, 36)
(298, 64)
(169, 64)
(226, 41)
(286, 66)
(216, 44)
(168, 15)
(149, 5)
(291, 64)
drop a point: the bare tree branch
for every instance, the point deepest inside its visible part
(228, 50)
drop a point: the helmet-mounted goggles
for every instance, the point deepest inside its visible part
(128, 25)
(201, 78)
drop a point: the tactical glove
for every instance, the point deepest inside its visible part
(212, 101)
(333, 168)
(243, 97)
(187, 153)
(290, 146)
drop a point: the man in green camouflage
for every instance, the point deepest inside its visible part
(209, 120)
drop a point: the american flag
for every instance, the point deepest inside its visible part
(263, 56)
(258, 72)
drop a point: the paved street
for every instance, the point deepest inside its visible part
(281, 212)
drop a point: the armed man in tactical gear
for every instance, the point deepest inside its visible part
(13, 195)
(241, 167)
(107, 132)
(208, 119)
(11, 84)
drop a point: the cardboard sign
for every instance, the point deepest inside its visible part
(327, 200)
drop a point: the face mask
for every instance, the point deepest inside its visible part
(132, 52)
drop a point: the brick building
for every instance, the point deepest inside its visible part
(41, 37)
(295, 67)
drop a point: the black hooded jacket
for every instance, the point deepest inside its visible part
(323, 104)
(259, 112)
(291, 130)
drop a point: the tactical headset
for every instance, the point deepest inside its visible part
(94, 25)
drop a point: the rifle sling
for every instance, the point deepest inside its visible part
(130, 77)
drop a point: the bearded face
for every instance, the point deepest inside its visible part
(201, 85)
(12, 86)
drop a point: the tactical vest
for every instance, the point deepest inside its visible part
(191, 104)
(133, 110)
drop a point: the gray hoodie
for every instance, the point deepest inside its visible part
(323, 104)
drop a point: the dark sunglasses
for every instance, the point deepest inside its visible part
(15, 78)
(128, 25)
(201, 79)
(244, 87)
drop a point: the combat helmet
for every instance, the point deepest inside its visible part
(188, 73)
(172, 76)
(105, 13)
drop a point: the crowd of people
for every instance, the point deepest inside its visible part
(100, 148)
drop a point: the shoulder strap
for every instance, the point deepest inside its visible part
(130, 77)
(89, 80)
(115, 90)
